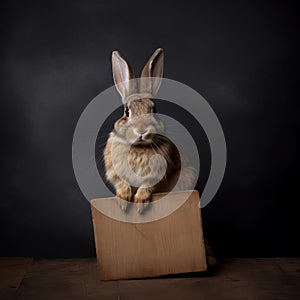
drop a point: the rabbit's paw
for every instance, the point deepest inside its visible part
(141, 206)
(123, 196)
(142, 199)
(122, 203)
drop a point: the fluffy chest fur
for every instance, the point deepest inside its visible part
(145, 162)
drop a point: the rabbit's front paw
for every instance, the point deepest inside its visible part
(123, 196)
(142, 199)
(122, 203)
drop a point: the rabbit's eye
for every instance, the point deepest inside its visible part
(126, 111)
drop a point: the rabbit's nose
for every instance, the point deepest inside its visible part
(141, 132)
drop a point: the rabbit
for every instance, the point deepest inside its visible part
(138, 135)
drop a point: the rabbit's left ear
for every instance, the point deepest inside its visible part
(124, 77)
(152, 73)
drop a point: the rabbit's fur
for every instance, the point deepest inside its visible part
(138, 135)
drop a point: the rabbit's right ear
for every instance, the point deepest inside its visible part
(152, 73)
(124, 77)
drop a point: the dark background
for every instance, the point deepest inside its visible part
(55, 58)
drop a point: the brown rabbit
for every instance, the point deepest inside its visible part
(138, 135)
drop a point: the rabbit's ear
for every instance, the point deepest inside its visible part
(124, 77)
(153, 68)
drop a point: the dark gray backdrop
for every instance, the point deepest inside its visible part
(55, 58)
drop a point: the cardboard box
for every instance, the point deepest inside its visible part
(170, 245)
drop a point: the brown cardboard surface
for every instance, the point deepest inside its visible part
(171, 245)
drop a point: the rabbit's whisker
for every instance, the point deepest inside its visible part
(164, 154)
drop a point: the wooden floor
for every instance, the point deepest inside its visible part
(272, 278)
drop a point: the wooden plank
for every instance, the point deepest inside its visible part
(173, 244)
(291, 267)
(65, 279)
(12, 272)
(236, 279)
